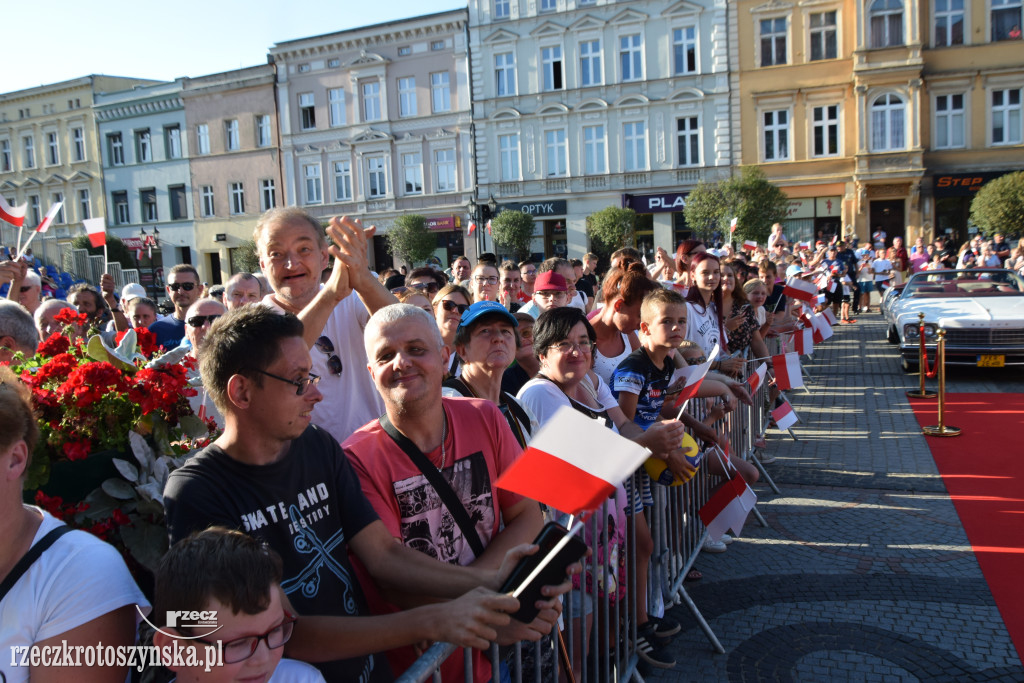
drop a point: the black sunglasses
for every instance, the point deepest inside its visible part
(429, 287)
(301, 385)
(200, 320)
(325, 345)
(187, 286)
(451, 306)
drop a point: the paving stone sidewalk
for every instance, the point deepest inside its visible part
(864, 572)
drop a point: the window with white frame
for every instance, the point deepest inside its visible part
(115, 149)
(631, 64)
(264, 134)
(885, 20)
(825, 130)
(594, 150)
(824, 36)
(84, 204)
(444, 170)
(236, 193)
(775, 134)
(203, 138)
(314, 186)
(502, 9)
(1006, 19)
(412, 172)
(407, 96)
(52, 149)
(888, 123)
(1006, 117)
(172, 141)
(143, 146)
(688, 141)
(773, 41)
(504, 74)
(684, 50)
(268, 194)
(231, 137)
(336, 106)
(206, 206)
(440, 91)
(551, 66)
(35, 211)
(343, 181)
(122, 215)
(307, 111)
(149, 209)
(949, 22)
(6, 163)
(78, 144)
(371, 101)
(556, 152)
(61, 217)
(508, 152)
(634, 138)
(376, 176)
(548, 5)
(590, 63)
(949, 121)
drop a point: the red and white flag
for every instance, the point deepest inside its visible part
(97, 229)
(757, 377)
(750, 245)
(803, 245)
(784, 416)
(829, 316)
(800, 289)
(15, 215)
(50, 215)
(488, 227)
(822, 330)
(732, 223)
(694, 376)
(787, 371)
(729, 507)
(803, 341)
(571, 447)
(472, 227)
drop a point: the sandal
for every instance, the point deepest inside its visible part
(693, 575)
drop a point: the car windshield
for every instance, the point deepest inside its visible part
(971, 282)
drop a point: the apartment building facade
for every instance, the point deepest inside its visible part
(375, 122)
(231, 124)
(583, 104)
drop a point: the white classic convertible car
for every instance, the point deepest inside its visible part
(981, 309)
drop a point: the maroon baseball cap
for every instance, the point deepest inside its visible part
(549, 281)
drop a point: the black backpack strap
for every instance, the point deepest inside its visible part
(509, 401)
(458, 385)
(29, 558)
(440, 484)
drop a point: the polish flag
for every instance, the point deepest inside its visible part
(787, 371)
(571, 447)
(784, 416)
(750, 245)
(757, 377)
(472, 227)
(97, 229)
(732, 223)
(822, 329)
(728, 508)
(50, 215)
(694, 376)
(803, 341)
(15, 215)
(822, 298)
(803, 245)
(800, 289)
(488, 227)
(829, 316)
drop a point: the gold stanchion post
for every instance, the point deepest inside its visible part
(941, 429)
(921, 363)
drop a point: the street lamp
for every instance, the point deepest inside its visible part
(480, 214)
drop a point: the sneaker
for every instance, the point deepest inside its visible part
(664, 626)
(760, 443)
(713, 546)
(649, 652)
(726, 539)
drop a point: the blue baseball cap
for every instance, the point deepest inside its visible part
(481, 308)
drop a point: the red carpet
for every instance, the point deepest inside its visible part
(983, 470)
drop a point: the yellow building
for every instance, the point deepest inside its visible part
(49, 152)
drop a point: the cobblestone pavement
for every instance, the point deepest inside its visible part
(864, 572)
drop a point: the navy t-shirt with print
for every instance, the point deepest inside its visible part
(638, 375)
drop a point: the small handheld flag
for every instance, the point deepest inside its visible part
(803, 341)
(732, 223)
(750, 245)
(757, 377)
(50, 215)
(694, 376)
(15, 215)
(784, 416)
(800, 289)
(97, 230)
(787, 371)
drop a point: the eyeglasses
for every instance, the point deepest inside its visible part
(200, 320)
(529, 271)
(550, 294)
(187, 286)
(301, 385)
(452, 306)
(240, 649)
(485, 279)
(565, 347)
(326, 346)
(428, 287)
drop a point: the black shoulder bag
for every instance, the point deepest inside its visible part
(29, 558)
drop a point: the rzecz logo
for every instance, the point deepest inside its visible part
(184, 619)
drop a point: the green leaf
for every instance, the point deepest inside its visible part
(118, 488)
(409, 239)
(148, 542)
(193, 426)
(127, 470)
(512, 232)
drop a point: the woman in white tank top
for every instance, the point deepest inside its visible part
(618, 320)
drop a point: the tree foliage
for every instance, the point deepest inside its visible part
(999, 205)
(749, 197)
(245, 259)
(611, 228)
(410, 240)
(116, 251)
(512, 232)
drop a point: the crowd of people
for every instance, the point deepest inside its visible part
(348, 511)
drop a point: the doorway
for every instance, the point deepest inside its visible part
(888, 216)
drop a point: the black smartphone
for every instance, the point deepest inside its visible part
(551, 575)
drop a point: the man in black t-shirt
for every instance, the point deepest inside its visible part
(274, 475)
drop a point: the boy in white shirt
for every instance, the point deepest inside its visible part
(882, 268)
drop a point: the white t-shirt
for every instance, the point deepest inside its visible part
(881, 268)
(294, 671)
(77, 579)
(702, 327)
(604, 367)
(544, 398)
(775, 237)
(350, 398)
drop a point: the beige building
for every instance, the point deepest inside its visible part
(50, 152)
(231, 119)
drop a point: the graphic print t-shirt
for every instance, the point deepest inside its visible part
(638, 375)
(306, 506)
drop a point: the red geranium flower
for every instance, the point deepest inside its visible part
(70, 316)
(55, 345)
(76, 450)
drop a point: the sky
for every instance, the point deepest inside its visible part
(65, 39)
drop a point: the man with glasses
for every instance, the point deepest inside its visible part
(550, 291)
(528, 273)
(198, 320)
(183, 290)
(281, 479)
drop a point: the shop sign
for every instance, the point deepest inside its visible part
(800, 208)
(665, 202)
(962, 184)
(828, 206)
(555, 207)
(443, 223)
(133, 242)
